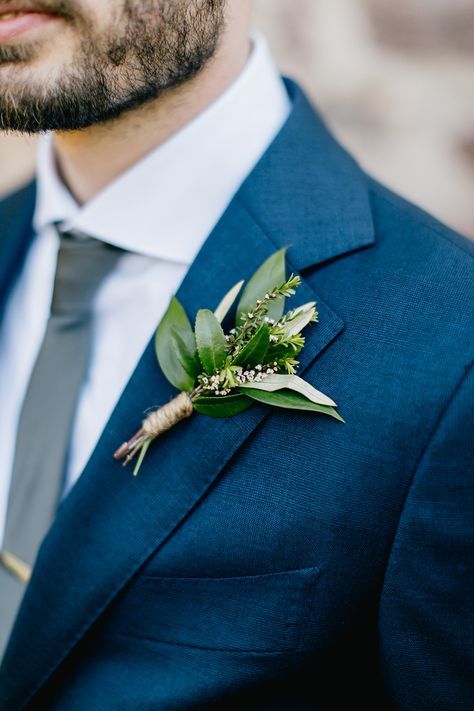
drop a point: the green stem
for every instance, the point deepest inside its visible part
(141, 457)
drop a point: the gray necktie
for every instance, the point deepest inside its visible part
(47, 413)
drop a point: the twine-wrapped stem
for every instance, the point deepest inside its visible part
(155, 424)
(168, 415)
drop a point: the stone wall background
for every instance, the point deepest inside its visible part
(394, 80)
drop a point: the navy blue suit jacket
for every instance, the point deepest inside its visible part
(277, 559)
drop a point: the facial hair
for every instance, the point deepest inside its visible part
(149, 47)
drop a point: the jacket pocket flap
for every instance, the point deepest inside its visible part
(254, 613)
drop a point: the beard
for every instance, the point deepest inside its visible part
(148, 47)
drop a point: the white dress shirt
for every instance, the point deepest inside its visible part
(160, 210)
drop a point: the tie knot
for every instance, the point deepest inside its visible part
(83, 263)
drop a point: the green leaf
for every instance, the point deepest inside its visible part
(221, 406)
(211, 344)
(290, 400)
(270, 274)
(301, 318)
(226, 304)
(167, 347)
(186, 352)
(279, 351)
(254, 351)
(275, 382)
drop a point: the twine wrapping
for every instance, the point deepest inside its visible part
(168, 415)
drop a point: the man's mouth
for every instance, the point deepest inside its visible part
(16, 21)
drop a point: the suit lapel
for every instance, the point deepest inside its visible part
(111, 522)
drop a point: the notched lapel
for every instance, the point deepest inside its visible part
(111, 522)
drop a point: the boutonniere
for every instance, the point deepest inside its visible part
(221, 374)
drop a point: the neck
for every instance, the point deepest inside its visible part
(91, 158)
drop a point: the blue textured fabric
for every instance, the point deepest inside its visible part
(275, 559)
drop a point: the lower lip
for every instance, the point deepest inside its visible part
(10, 29)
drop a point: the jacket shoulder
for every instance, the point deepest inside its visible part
(424, 266)
(396, 214)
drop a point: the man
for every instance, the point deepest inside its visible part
(273, 559)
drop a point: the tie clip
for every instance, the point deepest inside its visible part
(14, 565)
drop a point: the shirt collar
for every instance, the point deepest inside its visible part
(166, 204)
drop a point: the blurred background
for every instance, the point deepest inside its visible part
(394, 81)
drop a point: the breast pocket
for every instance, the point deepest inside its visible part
(251, 613)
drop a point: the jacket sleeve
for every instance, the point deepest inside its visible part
(426, 615)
